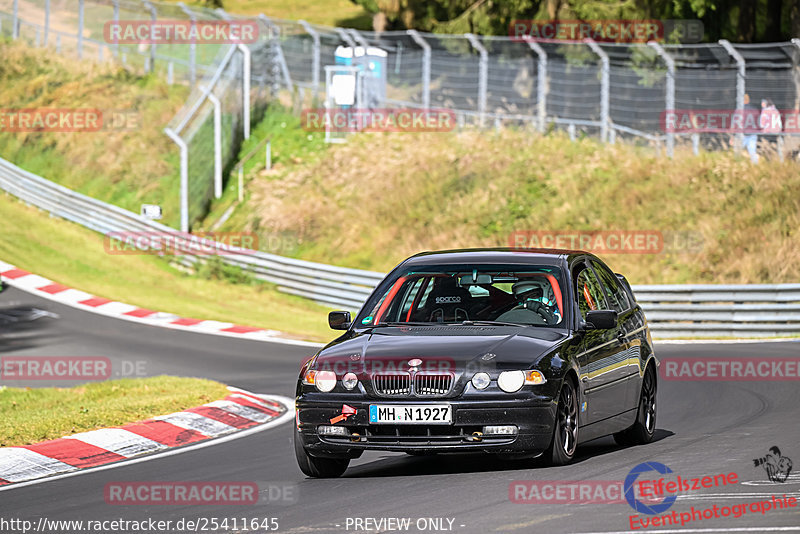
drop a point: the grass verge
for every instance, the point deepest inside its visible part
(74, 256)
(31, 415)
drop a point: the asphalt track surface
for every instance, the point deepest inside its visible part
(704, 428)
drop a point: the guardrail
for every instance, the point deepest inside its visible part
(327, 284)
(673, 310)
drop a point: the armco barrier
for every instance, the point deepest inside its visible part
(673, 310)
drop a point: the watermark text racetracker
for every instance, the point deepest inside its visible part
(607, 30)
(181, 31)
(192, 493)
(610, 241)
(610, 491)
(746, 121)
(730, 368)
(378, 120)
(67, 368)
(61, 120)
(178, 243)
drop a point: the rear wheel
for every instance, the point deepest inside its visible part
(565, 433)
(317, 467)
(644, 427)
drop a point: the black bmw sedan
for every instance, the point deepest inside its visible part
(517, 352)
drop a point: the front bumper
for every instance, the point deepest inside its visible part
(534, 418)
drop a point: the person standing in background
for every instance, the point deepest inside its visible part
(750, 141)
(770, 122)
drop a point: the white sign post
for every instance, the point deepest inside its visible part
(151, 211)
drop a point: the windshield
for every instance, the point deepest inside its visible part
(519, 294)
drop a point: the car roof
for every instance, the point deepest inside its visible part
(528, 256)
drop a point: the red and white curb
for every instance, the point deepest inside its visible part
(239, 411)
(48, 289)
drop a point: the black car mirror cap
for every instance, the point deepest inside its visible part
(600, 320)
(339, 320)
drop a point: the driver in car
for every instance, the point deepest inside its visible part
(530, 308)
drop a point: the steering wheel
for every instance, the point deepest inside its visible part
(542, 310)
(533, 305)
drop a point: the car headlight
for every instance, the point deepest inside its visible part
(481, 380)
(349, 381)
(325, 381)
(511, 381)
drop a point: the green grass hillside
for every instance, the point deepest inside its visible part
(108, 165)
(381, 197)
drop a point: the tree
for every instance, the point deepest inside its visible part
(736, 20)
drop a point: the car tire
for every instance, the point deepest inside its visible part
(644, 428)
(314, 467)
(565, 431)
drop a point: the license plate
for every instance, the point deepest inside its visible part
(398, 414)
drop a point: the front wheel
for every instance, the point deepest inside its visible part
(565, 433)
(643, 429)
(317, 467)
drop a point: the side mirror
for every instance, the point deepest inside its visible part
(339, 320)
(601, 320)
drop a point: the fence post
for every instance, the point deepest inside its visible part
(740, 77)
(314, 59)
(80, 29)
(272, 57)
(217, 143)
(426, 67)
(541, 83)
(184, 177)
(483, 75)
(279, 61)
(669, 102)
(245, 88)
(116, 20)
(153, 17)
(46, 20)
(605, 71)
(359, 38)
(15, 20)
(344, 36)
(192, 45)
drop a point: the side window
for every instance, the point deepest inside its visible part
(408, 301)
(615, 293)
(589, 292)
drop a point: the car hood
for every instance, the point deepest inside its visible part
(439, 347)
